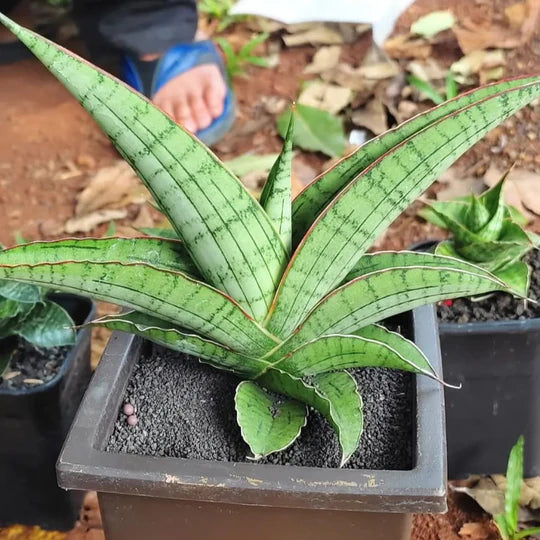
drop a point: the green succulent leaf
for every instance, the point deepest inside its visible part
(227, 233)
(317, 195)
(434, 210)
(425, 88)
(177, 339)
(334, 395)
(173, 296)
(315, 130)
(371, 346)
(268, 423)
(158, 252)
(383, 293)
(276, 194)
(477, 216)
(517, 275)
(47, 325)
(508, 522)
(350, 223)
(20, 292)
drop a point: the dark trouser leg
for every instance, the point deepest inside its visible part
(136, 26)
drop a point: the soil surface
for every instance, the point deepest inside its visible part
(186, 409)
(31, 367)
(498, 306)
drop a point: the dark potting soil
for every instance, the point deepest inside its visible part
(498, 306)
(186, 409)
(30, 365)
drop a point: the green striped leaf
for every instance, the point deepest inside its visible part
(371, 346)
(383, 260)
(517, 275)
(47, 325)
(268, 423)
(227, 233)
(159, 252)
(19, 292)
(164, 333)
(12, 313)
(348, 226)
(276, 194)
(317, 195)
(169, 295)
(387, 292)
(334, 395)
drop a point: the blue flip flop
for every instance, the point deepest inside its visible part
(148, 77)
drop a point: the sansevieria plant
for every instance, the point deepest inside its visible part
(284, 295)
(487, 232)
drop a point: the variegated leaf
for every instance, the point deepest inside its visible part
(276, 194)
(227, 233)
(19, 292)
(334, 395)
(361, 211)
(177, 339)
(268, 423)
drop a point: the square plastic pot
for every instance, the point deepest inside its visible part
(498, 365)
(33, 426)
(144, 497)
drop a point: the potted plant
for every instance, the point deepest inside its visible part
(44, 369)
(280, 297)
(490, 344)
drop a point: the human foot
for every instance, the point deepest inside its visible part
(192, 99)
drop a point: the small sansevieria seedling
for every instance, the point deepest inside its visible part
(487, 232)
(282, 294)
(27, 313)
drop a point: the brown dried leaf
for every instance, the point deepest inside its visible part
(324, 59)
(402, 46)
(379, 70)
(458, 185)
(475, 63)
(329, 97)
(144, 218)
(474, 37)
(115, 186)
(521, 189)
(515, 14)
(372, 117)
(313, 34)
(428, 70)
(88, 222)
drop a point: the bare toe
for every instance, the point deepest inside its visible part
(200, 112)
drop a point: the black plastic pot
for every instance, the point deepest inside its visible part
(33, 425)
(145, 497)
(498, 364)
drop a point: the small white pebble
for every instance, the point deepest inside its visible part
(128, 409)
(132, 420)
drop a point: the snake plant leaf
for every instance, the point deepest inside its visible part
(227, 233)
(19, 292)
(381, 260)
(361, 211)
(517, 275)
(276, 194)
(172, 296)
(371, 346)
(159, 232)
(317, 195)
(334, 395)
(158, 252)
(477, 216)
(387, 292)
(177, 339)
(268, 423)
(455, 210)
(47, 325)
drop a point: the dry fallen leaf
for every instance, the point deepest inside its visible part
(515, 14)
(372, 117)
(347, 76)
(474, 531)
(521, 188)
(431, 24)
(428, 70)
(115, 186)
(325, 96)
(314, 34)
(144, 218)
(379, 70)
(475, 63)
(474, 37)
(324, 59)
(274, 105)
(87, 222)
(402, 46)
